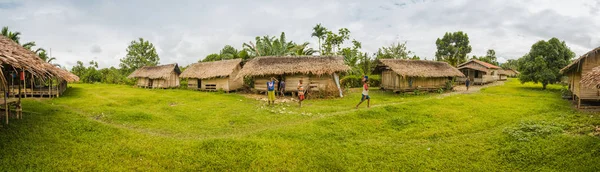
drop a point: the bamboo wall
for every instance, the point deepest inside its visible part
(586, 65)
(316, 83)
(171, 81)
(392, 81)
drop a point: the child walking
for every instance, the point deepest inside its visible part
(365, 92)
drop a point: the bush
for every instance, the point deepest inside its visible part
(353, 81)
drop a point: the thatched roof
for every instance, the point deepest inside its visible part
(578, 60)
(418, 68)
(15, 55)
(474, 67)
(279, 65)
(205, 70)
(484, 64)
(591, 79)
(61, 73)
(155, 72)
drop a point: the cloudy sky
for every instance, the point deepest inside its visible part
(186, 31)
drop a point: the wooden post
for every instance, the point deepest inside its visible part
(32, 85)
(50, 88)
(19, 103)
(578, 102)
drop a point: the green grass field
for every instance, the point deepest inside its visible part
(512, 127)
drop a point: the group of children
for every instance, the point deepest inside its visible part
(302, 91)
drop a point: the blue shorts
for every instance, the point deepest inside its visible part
(365, 97)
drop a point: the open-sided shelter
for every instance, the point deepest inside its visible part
(163, 76)
(401, 75)
(217, 75)
(318, 72)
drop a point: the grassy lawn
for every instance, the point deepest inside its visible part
(112, 127)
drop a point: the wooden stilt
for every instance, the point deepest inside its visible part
(578, 102)
(32, 85)
(19, 102)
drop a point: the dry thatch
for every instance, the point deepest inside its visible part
(578, 60)
(155, 72)
(474, 67)
(279, 65)
(61, 73)
(418, 68)
(15, 55)
(206, 70)
(484, 64)
(591, 79)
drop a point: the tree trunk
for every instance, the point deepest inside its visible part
(544, 85)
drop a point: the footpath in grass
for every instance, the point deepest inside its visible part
(113, 127)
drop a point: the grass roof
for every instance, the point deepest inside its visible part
(419, 68)
(155, 72)
(279, 65)
(205, 70)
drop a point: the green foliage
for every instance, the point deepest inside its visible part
(270, 46)
(91, 74)
(395, 51)
(490, 57)
(333, 41)
(453, 48)
(139, 53)
(355, 81)
(510, 64)
(320, 32)
(544, 61)
(527, 130)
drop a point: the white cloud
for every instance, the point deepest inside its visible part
(186, 31)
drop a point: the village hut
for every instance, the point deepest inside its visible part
(583, 77)
(217, 75)
(479, 72)
(511, 72)
(503, 74)
(408, 75)
(163, 76)
(20, 65)
(318, 72)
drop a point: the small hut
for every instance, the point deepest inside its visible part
(511, 72)
(217, 75)
(582, 77)
(408, 75)
(479, 72)
(164, 76)
(503, 74)
(318, 72)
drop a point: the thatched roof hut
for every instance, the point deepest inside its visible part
(582, 74)
(479, 72)
(307, 65)
(163, 76)
(217, 75)
(317, 72)
(418, 68)
(18, 57)
(407, 75)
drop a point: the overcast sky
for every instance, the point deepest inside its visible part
(186, 31)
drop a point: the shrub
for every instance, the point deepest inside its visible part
(353, 81)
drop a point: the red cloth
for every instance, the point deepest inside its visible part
(22, 76)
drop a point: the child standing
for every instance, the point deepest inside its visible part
(365, 92)
(300, 92)
(271, 90)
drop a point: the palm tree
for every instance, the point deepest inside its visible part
(270, 46)
(303, 49)
(15, 36)
(319, 32)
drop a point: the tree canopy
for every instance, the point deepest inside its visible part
(395, 51)
(453, 48)
(544, 61)
(139, 53)
(490, 57)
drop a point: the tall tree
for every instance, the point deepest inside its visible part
(394, 51)
(320, 32)
(270, 46)
(139, 53)
(211, 57)
(333, 41)
(453, 48)
(544, 61)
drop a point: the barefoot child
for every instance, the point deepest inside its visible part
(365, 93)
(271, 90)
(300, 92)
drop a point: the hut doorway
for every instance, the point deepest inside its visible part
(150, 82)
(199, 83)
